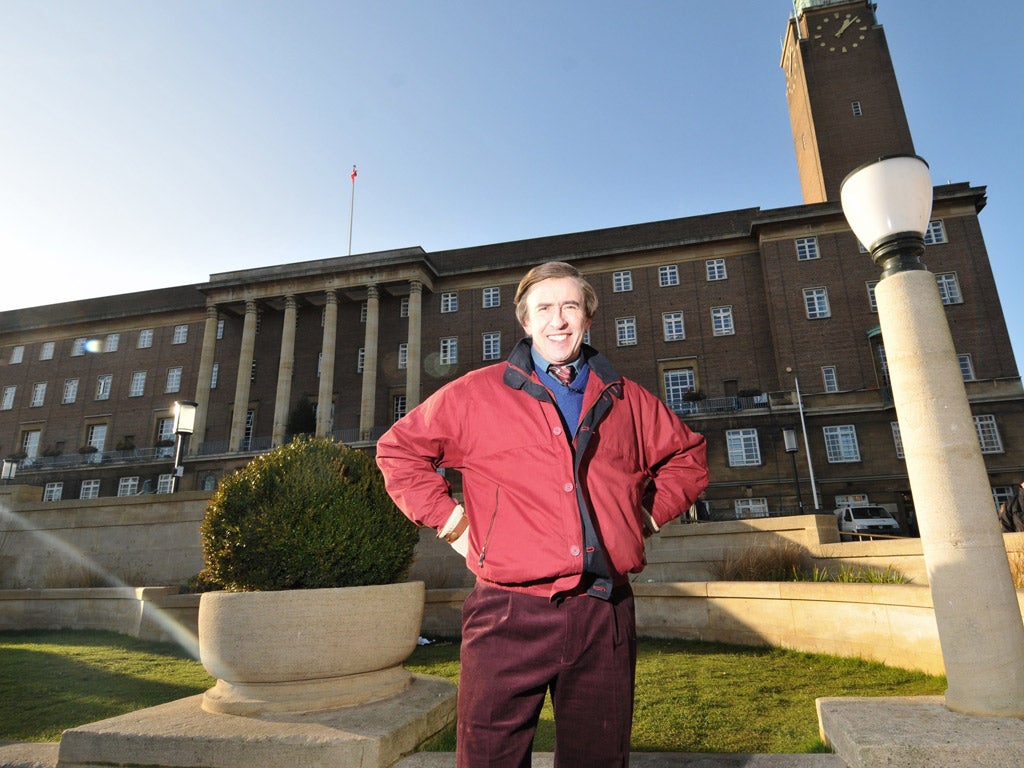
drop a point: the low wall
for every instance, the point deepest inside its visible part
(889, 623)
(148, 539)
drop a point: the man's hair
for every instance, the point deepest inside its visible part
(554, 269)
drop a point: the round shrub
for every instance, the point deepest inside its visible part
(310, 514)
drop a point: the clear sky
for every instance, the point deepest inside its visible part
(149, 144)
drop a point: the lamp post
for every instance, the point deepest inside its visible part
(887, 204)
(184, 424)
(790, 444)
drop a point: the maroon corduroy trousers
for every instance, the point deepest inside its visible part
(516, 647)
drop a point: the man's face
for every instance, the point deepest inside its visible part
(555, 318)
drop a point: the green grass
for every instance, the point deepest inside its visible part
(691, 697)
(50, 681)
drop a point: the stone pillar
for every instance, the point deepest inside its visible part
(325, 395)
(245, 357)
(284, 373)
(204, 379)
(976, 608)
(415, 345)
(366, 408)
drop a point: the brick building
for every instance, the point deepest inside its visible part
(747, 322)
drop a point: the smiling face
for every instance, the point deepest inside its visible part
(556, 318)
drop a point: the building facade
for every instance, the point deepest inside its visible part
(747, 322)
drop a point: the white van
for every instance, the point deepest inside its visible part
(866, 519)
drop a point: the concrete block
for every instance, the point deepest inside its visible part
(910, 732)
(181, 734)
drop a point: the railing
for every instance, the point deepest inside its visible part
(715, 406)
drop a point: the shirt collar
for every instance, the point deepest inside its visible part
(540, 364)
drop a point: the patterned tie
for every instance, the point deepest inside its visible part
(564, 373)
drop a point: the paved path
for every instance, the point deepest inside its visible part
(21, 755)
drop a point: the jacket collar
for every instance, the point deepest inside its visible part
(519, 370)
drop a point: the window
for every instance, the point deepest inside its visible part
(841, 444)
(103, 385)
(252, 372)
(165, 430)
(936, 232)
(715, 269)
(96, 436)
(173, 379)
(668, 275)
(180, 334)
(949, 288)
(856, 108)
(146, 338)
(672, 325)
(220, 329)
(403, 307)
(806, 248)
(897, 438)
(362, 312)
(753, 507)
(128, 486)
(721, 321)
(216, 372)
(46, 351)
(966, 366)
(1001, 493)
(403, 355)
(90, 489)
(138, 385)
(677, 382)
(449, 302)
(78, 347)
(622, 281)
(744, 449)
(492, 345)
(361, 360)
(17, 354)
(30, 443)
(7, 401)
(988, 434)
(871, 285)
(53, 491)
(828, 378)
(625, 331)
(449, 350)
(816, 303)
(70, 391)
(491, 297)
(112, 343)
(38, 394)
(165, 484)
(398, 407)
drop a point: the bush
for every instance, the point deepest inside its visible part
(790, 562)
(310, 514)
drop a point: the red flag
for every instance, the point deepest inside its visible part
(353, 174)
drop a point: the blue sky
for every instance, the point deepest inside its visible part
(149, 144)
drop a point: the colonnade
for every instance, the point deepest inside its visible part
(286, 366)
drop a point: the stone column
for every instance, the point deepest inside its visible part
(976, 608)
(325, 395)
(284, 373)
(366, 409)
(415, 345)
(204, 379)
(245, 357)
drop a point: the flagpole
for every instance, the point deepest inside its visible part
(351, 208)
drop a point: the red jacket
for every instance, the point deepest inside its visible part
(526, 489)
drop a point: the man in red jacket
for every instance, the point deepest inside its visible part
(566, 467)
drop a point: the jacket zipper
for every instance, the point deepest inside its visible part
(490, 528)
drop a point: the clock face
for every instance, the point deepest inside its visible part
(839, 33)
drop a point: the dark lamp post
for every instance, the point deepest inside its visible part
(888, 204)
(184, 424)
(791, 446)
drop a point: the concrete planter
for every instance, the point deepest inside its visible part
(307, 650)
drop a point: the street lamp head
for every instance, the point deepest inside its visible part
(789, 440)
(887, 204)
(184, 417)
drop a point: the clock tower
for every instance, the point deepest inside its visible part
(844, 103)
